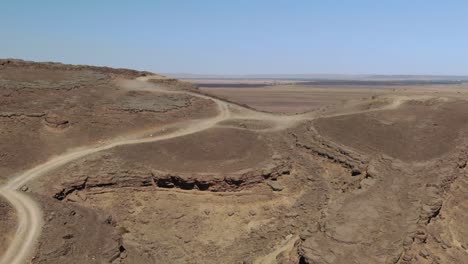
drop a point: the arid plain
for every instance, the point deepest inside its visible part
(102, 165)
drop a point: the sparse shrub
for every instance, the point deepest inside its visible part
(123, 230)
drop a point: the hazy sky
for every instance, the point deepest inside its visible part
(242, 37)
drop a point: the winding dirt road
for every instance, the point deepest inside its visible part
(29, 214)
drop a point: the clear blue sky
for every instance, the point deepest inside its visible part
(242, 37)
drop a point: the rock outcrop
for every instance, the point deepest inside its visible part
(222, 182)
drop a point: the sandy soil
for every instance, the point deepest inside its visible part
(215, 150)
(302, 98)
(416, 131)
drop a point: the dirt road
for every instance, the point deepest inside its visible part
(29, 213)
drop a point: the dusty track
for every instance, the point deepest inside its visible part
(29, 213)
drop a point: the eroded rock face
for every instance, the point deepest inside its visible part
(395, 215)
(56, 121)
(441, 235)
(220, 182)
(187, 181)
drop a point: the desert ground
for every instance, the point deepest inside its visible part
(102, 165)
(291, 96)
